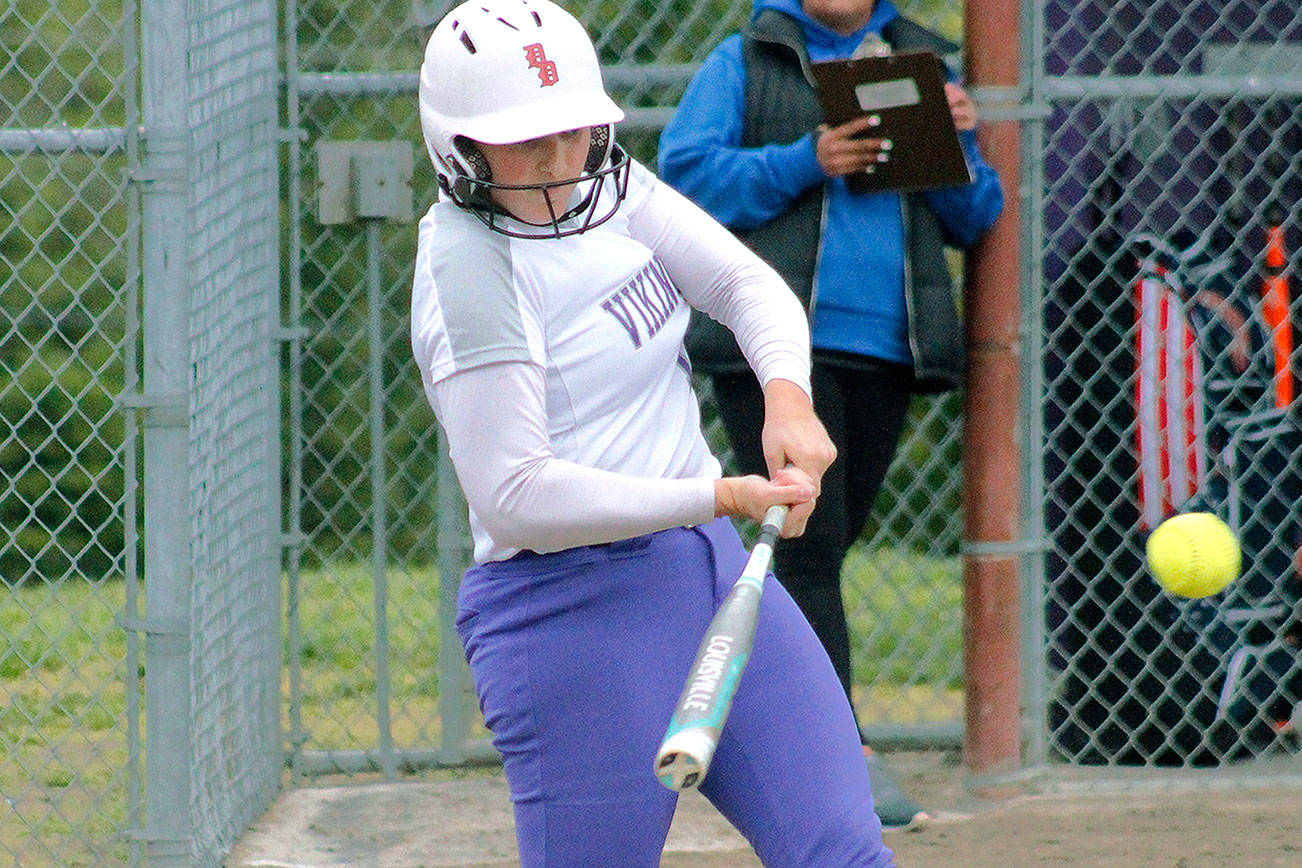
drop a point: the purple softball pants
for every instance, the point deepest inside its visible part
(578, 658)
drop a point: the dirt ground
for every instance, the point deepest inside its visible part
(1243, 817)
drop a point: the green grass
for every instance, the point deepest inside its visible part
(905, 612)
(63, 745)
(337, 617)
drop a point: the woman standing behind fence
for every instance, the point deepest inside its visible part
(547, 320)
(749, 144)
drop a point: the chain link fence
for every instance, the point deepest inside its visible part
(231, 428)
(66, 277)
(1163, 191)
(357, 708)
(138, 374)
(1172, 164)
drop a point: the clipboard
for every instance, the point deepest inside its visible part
(907, 91)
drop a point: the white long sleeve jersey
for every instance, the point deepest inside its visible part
(557, 371)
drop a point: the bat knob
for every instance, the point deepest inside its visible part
(684, 758)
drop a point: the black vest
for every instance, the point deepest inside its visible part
(782, 106)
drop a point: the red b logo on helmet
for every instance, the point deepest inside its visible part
(538, 60)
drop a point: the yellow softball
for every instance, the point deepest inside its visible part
(1194, 554)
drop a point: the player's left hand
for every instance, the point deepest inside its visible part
(793, 436)
(961, 107)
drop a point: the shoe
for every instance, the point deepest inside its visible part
(893, 807)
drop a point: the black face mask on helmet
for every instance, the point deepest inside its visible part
(607, 163)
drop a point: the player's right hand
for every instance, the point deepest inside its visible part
(751, 496)
(794, 436)
(841, 151)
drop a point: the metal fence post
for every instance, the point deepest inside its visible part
(168, 833)
(1035, 672)
(292, 543)
(992, 594)
(454, 557)
(379, 501)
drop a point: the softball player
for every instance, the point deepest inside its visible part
(549, 304)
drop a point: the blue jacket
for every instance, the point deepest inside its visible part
(863, 234)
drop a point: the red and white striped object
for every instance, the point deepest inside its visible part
(1171, 435)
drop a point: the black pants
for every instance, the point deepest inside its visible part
(863, 409)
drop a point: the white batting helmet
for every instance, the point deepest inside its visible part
(503, 71)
